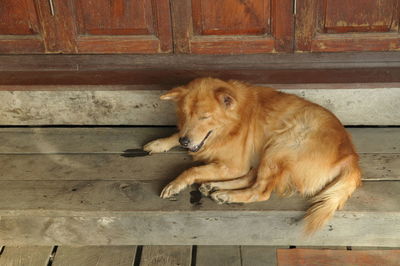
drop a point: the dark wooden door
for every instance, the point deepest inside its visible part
(232, 26)
(20, 30)
(118, 26)
(347, 25)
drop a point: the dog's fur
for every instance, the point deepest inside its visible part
(255, 140)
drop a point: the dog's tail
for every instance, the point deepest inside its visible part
(333, 196)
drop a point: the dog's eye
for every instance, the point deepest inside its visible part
(204, 117)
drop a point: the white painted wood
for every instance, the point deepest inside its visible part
(95, 256)
(166, 256)
(116, 140)
(358, 106)
(131, 213)
(27, 255)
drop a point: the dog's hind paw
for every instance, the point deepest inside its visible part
(206, 189)
(220, 197)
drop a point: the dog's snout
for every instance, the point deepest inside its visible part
(184, 141)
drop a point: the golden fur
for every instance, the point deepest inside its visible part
(255, 140)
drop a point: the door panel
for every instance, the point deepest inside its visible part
(122, 26)
(347, 25)
(236, 18)
(19, 27)
(232, 26)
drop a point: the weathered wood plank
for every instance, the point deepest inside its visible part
(259, 255)
(218, 255)
(166, 255)
(27, 255)
(300, 257)
(92, 166)
(95, 256)
(78, 140)
(131, 213)
(69, 197)
(367, 106)
(375, 166)
(116, 139)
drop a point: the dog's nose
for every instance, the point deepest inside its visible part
(184, 141)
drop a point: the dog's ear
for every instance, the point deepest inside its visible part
(225, 97)
(175, 94)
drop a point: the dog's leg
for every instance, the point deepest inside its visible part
(268, 176)
(238, 183)
(200, 174)
(162, 145)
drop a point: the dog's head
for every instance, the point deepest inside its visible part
(206, 107)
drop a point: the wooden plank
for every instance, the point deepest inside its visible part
(166, 255)
(79, 140)
(313, 257)
(92, 167)
(27, 255)
(95, 256)
(375, 166)
(54, 197)
(352, 106)
(26, 63)
(376, 140)
(131, 213)
(218, 255)
(116, 140)
(172, 77)
(258, 255)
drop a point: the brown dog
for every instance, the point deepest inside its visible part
(255, 140)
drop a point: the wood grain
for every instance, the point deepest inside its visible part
(20, 30)
(258, 255)
(112, 140)
(114, 167)
(166, 255)
(265, 26)
(314, 257)
(370, 26)
(95, 256)
(26, 255)
(352, 106)
(218, 255)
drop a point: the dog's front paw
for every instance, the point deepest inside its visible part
(156, 146)
(207, 188)
(220, 197)
(172, 189)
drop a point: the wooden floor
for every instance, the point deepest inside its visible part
(77, 187)
(195, 256)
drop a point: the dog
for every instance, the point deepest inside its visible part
(255, 140)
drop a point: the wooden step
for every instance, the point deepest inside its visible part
(71, 186)
(353, 104)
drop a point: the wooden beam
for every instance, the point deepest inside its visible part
(178, 69)
(359, 106)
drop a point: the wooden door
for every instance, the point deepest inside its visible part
(117, 26)
(232, 26)
(20, 30)
(347, 25)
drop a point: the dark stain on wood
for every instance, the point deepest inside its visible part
(134, 153)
